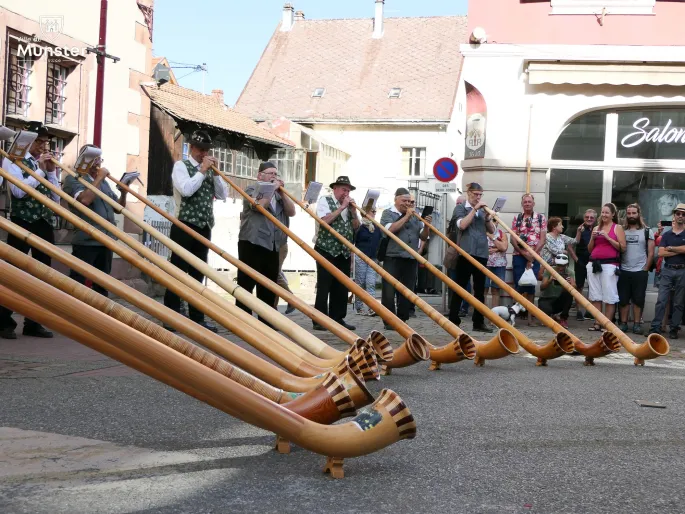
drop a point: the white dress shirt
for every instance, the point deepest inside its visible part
(394, 209)
(468, 208)
(17, 173)
(322, 208)
(187, 185)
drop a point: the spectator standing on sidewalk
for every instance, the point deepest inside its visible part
(672, 249)
(497, 263)
(531, 227)
(635, 264)
(366, 239)
(583, 235)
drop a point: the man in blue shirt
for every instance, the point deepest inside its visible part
(672, 249)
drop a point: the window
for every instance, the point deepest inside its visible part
(318, 92)
(19, 71)
(413, 161)
(224, 155)
(186, 150)
(651, 134)
(657, 193)
(57, 148)
(571, 192)
(290, 164)
(56, 93)
(395, 92)
(583, 139)
(596, 6)
(246, 163)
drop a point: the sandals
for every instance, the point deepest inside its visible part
(595, 328)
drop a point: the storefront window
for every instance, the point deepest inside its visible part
(657, 193)
(571, 193)
(651, 134)
(583, 139)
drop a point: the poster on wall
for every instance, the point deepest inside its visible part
(658, 204)
(476, 117)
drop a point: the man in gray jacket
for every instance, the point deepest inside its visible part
(472, 224)
(259, 239)
(398, 262)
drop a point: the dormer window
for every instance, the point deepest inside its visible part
(395, 92)
(318, 92)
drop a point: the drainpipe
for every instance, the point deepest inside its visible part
(100, 84)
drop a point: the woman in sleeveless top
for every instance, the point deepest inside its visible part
(606, 244)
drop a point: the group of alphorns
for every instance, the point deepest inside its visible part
(313, 385)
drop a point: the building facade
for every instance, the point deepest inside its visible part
(585, 104)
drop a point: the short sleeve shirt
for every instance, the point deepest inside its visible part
(532, 227)
(496, 259)
(671, 239)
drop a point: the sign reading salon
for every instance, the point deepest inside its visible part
(651, 134)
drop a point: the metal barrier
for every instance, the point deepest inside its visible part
(153, 244)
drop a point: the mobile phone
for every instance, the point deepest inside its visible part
(668, 223)
(427, 211)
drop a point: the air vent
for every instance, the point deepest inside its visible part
(395, 92)
(318, 92)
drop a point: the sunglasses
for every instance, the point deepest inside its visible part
(679, 213)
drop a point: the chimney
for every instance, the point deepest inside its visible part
(219, 95)
(378, 20)
(299, 15)
(287, 23)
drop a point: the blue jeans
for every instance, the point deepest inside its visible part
(518, 263)
(671, 280)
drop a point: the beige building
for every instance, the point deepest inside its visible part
(48, 75)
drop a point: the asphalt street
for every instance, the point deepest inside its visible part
(81, 434)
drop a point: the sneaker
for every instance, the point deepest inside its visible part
(289, 309)
(37, 331)
(563, 323)
(8, 333)
(673, 333)
(637, 328)
(623, 327)
(588, 317)
(346, 325)
(580, 316)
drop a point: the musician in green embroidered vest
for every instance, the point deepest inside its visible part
(195, 188)
(338, 211)
(84, 247)
(32, 216)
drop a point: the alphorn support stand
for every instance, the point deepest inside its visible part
(655, 346)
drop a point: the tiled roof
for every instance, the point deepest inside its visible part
(419, 55)
(193, 106)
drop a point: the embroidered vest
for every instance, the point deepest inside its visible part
(328, 242)
(28, 208)
(198, 209)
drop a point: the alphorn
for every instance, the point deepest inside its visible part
(317, 316)
(561, 344)
(304, 404)
(286, 353)
(461, 348)
(378, 425)
(256, 366)
(415, 347)
(655, 346)
(267, 312)
(497, 347)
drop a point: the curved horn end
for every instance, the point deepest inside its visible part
(365, 359)
(467, 345)
(340, 396)
(606, 344)
(381, 345)
(560, 344)
(461, 348)
(403, 418)
(655, 346)
(356, 388)
(503, 344)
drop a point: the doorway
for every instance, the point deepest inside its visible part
(571, 193)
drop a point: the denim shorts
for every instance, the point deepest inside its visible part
(500, 271)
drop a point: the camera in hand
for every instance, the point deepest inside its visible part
(524, 238)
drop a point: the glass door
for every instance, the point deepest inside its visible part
(571, 193)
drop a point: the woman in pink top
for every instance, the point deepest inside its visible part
(606, 244)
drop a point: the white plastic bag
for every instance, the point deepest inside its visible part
(528, 278)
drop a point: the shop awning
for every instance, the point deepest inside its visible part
(606, 73)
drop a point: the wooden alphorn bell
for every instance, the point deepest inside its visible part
(285, 352)
(504, 343)
(461, 348)
(304, 404)
(655, 346)
(561, 344)
(389, 417)
(414, 349)
(334, 327)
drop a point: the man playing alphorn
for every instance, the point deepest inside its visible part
(195, 187)
(339, 212)
(31, 215)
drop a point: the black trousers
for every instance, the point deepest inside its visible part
(465, 272)
(331, 295)
(44, 230)
(560, 305)
(405, 271)
(265, 262)
(200, 251)
(99, 257)
(581, 272)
